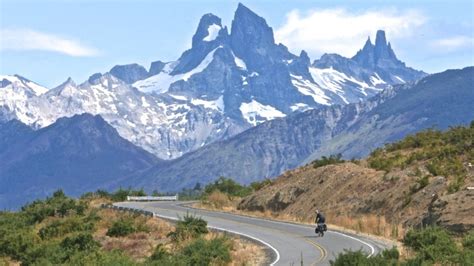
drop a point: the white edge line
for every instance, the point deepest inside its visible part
(304, 225)
(363, 242)
(232, 232)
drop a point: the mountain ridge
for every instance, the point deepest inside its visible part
(227, 82)
(354, 130)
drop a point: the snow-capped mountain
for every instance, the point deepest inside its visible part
(225, 83)
(15, 94)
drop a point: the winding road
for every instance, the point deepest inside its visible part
(287, 243)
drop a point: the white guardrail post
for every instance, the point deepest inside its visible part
(152, 198)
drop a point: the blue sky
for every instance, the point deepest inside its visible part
(48, 41)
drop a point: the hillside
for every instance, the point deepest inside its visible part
(420, 180)
(439, 100)
(60, 230)
(76, 154)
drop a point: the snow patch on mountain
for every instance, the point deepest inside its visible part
(255, 113)
(24, 83)
(306, 87)
(160, 83)
(213, 32)
(376, 80)
(215, 105)
(240, 63)
(301, 107)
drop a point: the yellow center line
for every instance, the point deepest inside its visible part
(320, 248)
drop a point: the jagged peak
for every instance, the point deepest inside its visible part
(156, 67)
(209, 29)
(94, 77)
(243, 13)
(69, 82)
(380, 39)
(304, 57)
(250, 32)
(368, 44)
(242, 9)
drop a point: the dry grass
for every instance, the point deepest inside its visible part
(369, 224)
(244, 252)
(139, 245)
(372, 225)
(6, 261)
(220, 201)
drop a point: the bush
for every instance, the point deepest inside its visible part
(432, 244)
(121, 227)
(80, 242)
(332, 159)
(208, 252)
(257, 185)
(218, 199)
(228, 186)
(160, 254)
(60, 228)
(468, 241)
(57, 205)
(357, 258)
(189, 227)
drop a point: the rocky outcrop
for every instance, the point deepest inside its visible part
(129, 73)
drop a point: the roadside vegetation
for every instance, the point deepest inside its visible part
(63, 231)
(427, 246)
(440, 153)
(225, 193)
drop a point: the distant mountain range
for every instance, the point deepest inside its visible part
(77, 154)
(235, 104)
(439, 100)
(224, 84)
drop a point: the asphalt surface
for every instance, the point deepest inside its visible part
(286, 243)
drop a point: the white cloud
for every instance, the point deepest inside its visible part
(26, 39)
(344, 32)
(454, 43)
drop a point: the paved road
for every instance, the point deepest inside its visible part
(287, 243)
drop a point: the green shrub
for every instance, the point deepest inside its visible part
(332, 159)
(160, 254)
(121, 227)
(189, 227)
(257, 185)
(80, 242)
(115, 258)
(207, 252)
(59, 228)
(58, 205)
(228, 186)
(358, 258)
(468, 241)
(432, 244)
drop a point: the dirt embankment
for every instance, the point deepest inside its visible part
(367, 200)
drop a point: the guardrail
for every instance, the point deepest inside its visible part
(152, 198)
(128, 209)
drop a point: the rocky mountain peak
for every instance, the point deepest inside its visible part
(250, 34)
(156, 67)
(379, 54)
(209, 29)
(209, 35)
(129, 73)
(94, 77)
(69, 82)
(304, 57)
(382, 49)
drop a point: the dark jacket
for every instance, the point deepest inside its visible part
(320, 219)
